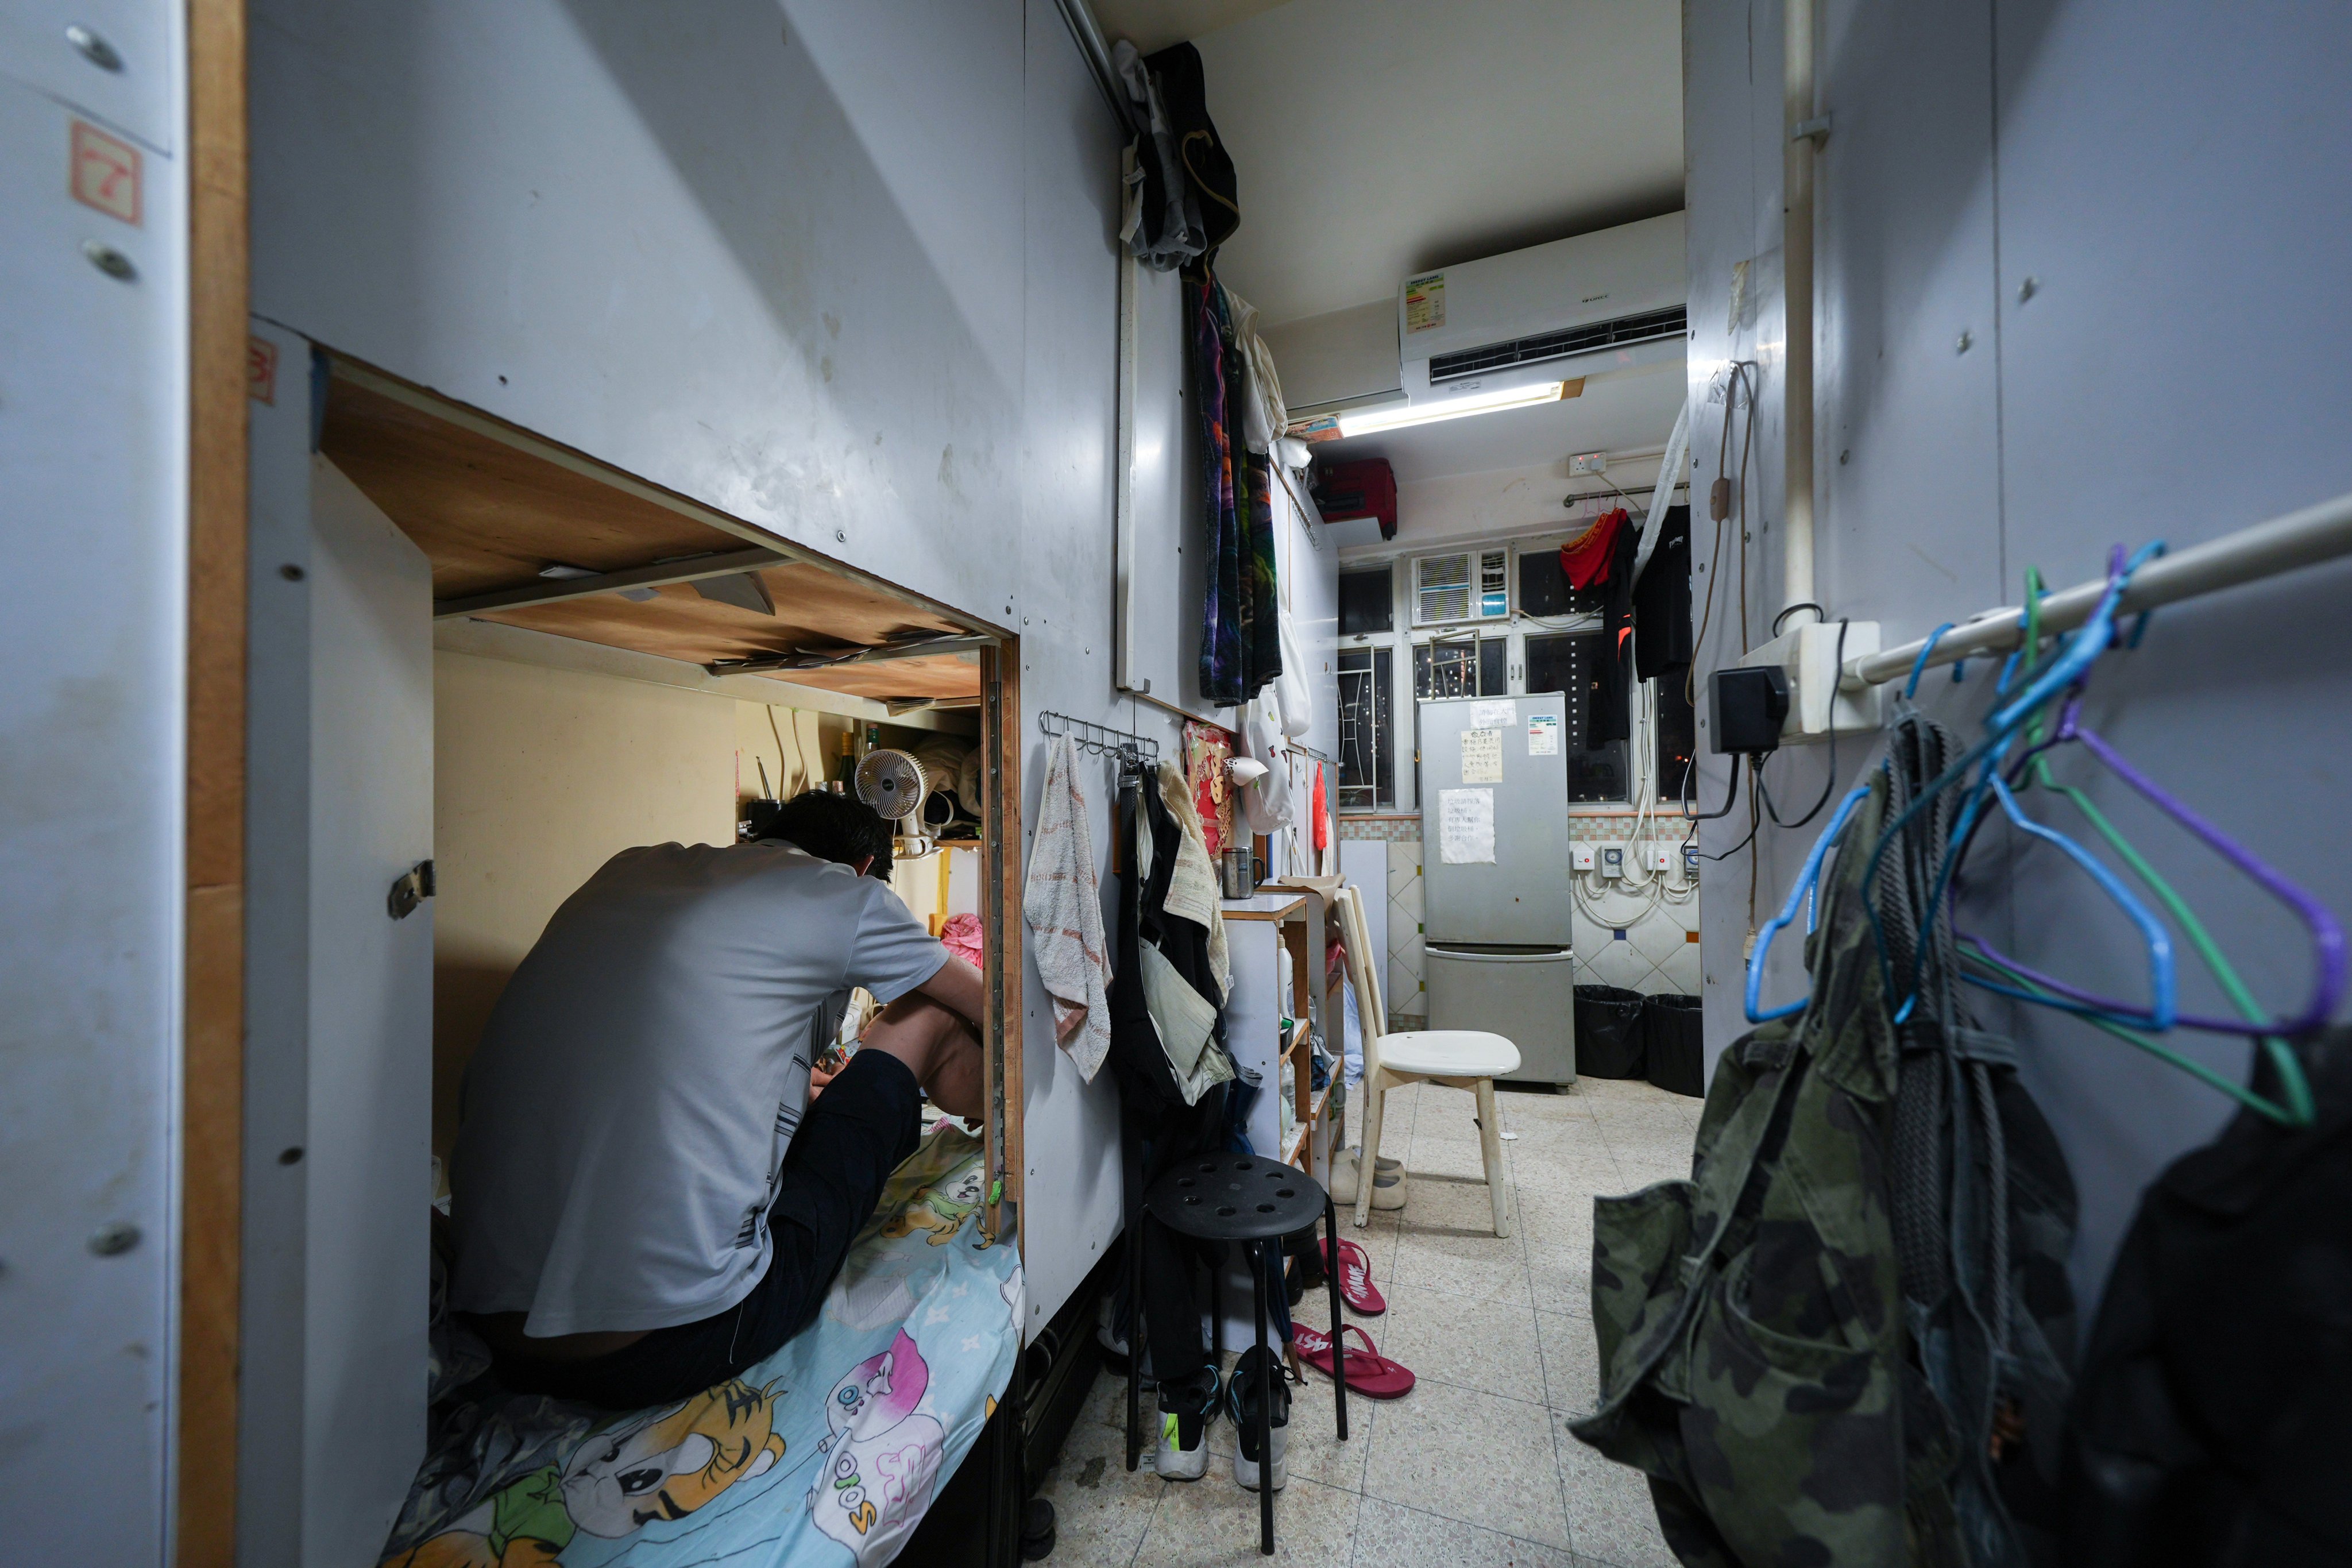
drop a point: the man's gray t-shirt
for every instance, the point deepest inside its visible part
(633, 1096)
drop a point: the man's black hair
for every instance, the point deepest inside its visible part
(829, 826)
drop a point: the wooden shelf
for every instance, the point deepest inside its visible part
(1316, 1107)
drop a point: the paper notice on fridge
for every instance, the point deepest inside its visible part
(1466, 833)
(1543, 734)
(1501, 715)
(1482, 756)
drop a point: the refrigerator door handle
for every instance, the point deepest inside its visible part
(1451, 953)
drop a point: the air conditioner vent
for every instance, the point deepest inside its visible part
(1623, 332)
(1450, 588)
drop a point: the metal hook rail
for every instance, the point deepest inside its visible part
(2306, 538)
(1101, 739)
(1311, 752)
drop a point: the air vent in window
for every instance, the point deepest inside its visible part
(1623, 332)
(1445, 589)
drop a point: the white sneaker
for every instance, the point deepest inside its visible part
(1171, 1461)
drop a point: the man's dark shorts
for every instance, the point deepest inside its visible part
(861, 1128)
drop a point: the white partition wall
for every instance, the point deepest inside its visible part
(93, 419)
(2079, 284)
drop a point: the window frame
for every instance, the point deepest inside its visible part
(1404, 638)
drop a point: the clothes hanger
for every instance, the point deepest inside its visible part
(1808, 879)
(2327, 934)
(2077, 651)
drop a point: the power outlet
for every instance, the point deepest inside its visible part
(1587, 463)
(1579, 856)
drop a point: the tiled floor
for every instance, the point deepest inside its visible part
(1474, 1468)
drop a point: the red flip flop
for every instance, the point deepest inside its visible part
(1370, 1374)
(1355, 1273)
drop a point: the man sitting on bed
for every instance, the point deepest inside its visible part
(645, 1199)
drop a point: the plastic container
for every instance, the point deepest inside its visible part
(1673, 1043)
(1608, 1032)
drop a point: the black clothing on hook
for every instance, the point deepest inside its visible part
(2208, 1427)
(1610, 715)
(1661, 601)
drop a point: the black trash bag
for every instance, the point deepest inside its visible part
(1608, 1032)
(1672, 1043)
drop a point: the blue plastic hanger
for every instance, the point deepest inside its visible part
(1807, 881)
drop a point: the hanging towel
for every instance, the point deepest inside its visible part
(1322, 816)
(1062, 904)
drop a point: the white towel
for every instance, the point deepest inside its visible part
(1194, 890)
(1062, 904)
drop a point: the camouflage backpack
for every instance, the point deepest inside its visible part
(1761, 1325)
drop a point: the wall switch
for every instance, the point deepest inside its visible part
(1658, 857)
(1579, 856)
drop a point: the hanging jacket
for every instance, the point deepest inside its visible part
(1767, 1356)
(2208, 1427)
(1661, 601)
(1609, 716)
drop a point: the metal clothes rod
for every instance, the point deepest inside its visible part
(1312, 753)
(2306, 538)
(1100, 739)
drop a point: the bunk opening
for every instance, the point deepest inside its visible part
(540, 556)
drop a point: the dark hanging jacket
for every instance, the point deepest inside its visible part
(1661, 601)
(2212, 1424)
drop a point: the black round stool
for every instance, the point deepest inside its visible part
(1255, 1201)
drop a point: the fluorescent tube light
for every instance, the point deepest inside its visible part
(1371, 420)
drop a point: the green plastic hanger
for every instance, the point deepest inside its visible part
(2300, 1110)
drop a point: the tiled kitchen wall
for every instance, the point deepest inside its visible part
(1641, 941)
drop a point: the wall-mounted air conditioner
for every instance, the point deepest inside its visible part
(1603, 302)
(1470, 586)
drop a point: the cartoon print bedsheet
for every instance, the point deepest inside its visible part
(828, 1453)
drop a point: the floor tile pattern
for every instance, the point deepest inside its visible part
(1476, 1467)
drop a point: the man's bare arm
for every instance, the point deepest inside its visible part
(959, 989)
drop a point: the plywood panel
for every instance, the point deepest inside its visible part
(489, 514)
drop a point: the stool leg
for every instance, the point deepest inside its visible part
(1490, 1149)
(1264, 1412)
(1135, 1342)
(1331, 1283)
(1217, 1308)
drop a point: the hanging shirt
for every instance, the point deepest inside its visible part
(1611, 715)
(643, 1075)
(1590, 557)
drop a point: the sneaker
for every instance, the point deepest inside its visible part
(1186, 1410)
(1242, 1394)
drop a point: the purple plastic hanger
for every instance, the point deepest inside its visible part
(2326, 935)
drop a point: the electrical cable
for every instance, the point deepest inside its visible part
(1829, 784)
(1821, 617)
(1731, 793)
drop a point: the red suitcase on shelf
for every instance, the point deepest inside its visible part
(1365, 488)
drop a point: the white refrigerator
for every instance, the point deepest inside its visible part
(1497, 911)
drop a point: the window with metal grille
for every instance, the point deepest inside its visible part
(1462, 668)
(1565, 663)
(1367, 754)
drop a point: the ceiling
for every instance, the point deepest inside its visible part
(1376, 138)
